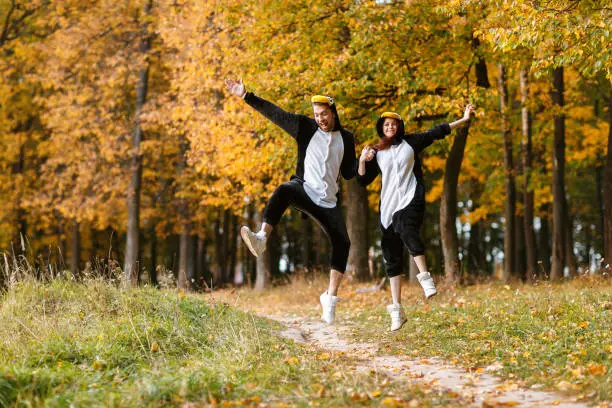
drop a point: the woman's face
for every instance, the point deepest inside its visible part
(390, 126)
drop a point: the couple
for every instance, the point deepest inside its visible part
(325, 149)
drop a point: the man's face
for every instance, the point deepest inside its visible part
(323, 116)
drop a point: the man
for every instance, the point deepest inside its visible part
(325, 149)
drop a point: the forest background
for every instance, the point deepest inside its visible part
(124, 156)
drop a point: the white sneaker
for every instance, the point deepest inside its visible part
(256, 244)
(329, 307)
(427, 283)
(397, 316)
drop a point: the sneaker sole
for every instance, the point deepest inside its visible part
(247, 241)
(401, 325)
(326, 322)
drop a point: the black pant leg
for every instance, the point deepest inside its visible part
(329, 219)
(393, 251)
(332, 222)
(285, 195)
(407, 223)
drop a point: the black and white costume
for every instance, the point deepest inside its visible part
(402, 202)
(313, 187)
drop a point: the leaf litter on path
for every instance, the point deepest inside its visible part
(478, 388)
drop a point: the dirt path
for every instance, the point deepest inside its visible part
(480, 389)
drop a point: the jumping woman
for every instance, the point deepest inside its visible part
(325, 149)
(402, 198)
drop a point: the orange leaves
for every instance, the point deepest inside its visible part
(495, 404)
(323, 356)
(584, 324)
(596, 369)
(292, 361)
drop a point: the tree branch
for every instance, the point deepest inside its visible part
(5, 28)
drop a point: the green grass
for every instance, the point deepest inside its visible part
(558, 336)
(68, 344)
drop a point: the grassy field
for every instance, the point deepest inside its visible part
(73, 344)
(553, 337)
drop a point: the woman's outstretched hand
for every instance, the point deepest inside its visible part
(469, 109)
(235, 87)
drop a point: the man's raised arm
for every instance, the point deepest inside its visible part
(289, 122)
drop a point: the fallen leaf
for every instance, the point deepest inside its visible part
(250, 386)
(357, 397)
(596, 369)
(390, 402)
(98, 364)
(323, 356)
(495, 403)
(376, 394)
(292, 361)
(319, 390)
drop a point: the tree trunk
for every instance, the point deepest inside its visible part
(520, 250)
(448, 206)
(608, 192)
(225, 247)
(233, 247)
(599, 178)
(570, 258)
(482, 76)
(530, 247)
(173, 251)
(75, 250)
(509, 207)
(133, 196)
(153, 266)
(519, 233)
(201, 265)
(558, 187)
(61, 242)
(19, 246)
(183, 260)
(588, 244)
(544, 250)
(357, 227)
(475, 254)
(219, 261)
(192, 276)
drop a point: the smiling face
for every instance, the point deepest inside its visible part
(390, 126)
(324, 116)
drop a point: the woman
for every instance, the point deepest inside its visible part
(402, 201)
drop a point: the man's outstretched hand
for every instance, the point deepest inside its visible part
(235, 87)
